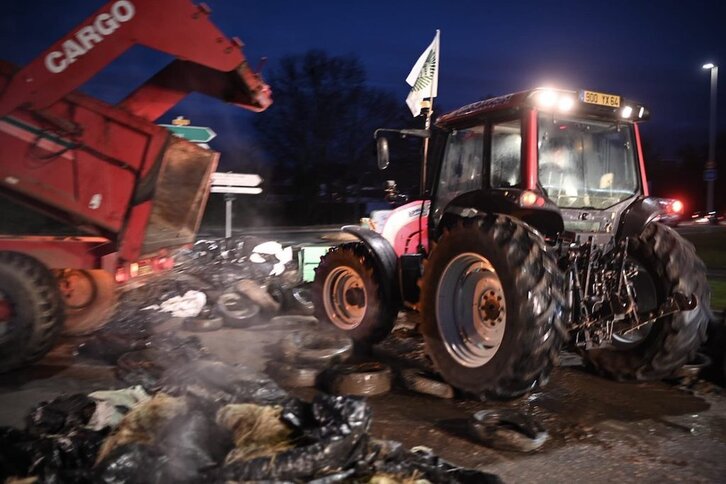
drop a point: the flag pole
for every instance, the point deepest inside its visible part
(429, 112)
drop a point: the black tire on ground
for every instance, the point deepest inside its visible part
(422, 381)
(237, 311)
(671, 265)
(315, 347)
(292, 376)
(499, 329)
(361, 379)
(347, 293)
(36, 310)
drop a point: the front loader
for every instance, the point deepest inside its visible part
(133, 190)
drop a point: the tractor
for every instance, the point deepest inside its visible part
(536, 232)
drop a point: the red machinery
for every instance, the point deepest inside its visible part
(137, 190)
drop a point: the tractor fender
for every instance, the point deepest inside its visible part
(547, 218)
(384, 258)
(637, 216)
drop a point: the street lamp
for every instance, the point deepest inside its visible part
(709, 174)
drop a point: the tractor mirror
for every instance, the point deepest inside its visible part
(383, 155)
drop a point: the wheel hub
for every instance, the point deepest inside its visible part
(344, 297)
(77, 288)
(471, 310)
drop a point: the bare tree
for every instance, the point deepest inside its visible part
(320, 128)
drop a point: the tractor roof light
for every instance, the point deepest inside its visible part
(546, 98)
(626, 112)
(565, 103)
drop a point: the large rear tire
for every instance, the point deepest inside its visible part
(34, 314)
(671, 264)
(492, 308)
(347, 293)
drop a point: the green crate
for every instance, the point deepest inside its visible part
(309, 258)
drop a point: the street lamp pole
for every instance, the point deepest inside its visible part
(710, 174)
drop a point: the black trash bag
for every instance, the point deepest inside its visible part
(108, 346)
(333, 435)
(392, 459)
(15, 459)
(192, 443)
(132, 464)
(338, 415)
(164, 351)
(60, 414)
(64, 458)
(221, 383)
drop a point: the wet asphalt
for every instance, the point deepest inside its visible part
(599, 430)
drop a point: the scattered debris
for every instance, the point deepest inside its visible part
(508, 429)
(187, 417)
(186, 306)
(422, 381)
(113, 405)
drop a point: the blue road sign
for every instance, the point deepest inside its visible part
(709, 174)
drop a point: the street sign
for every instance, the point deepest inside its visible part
(234, 183)
(236, 179)
(241, 190)
(709, 174)
(196, 134)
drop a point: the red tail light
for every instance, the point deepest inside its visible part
(677, 206)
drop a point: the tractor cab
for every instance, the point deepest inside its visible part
(560, 160)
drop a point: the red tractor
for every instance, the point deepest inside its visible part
(132, 189)
(538, 231)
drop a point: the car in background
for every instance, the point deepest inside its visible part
(704, 217)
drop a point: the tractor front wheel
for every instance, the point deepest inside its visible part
(347, 293)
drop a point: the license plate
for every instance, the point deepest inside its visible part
(599, 98)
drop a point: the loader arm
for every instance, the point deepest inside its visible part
(177, 27)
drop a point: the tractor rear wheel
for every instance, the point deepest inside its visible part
(347, 293)
(31, 310)
(667, 263)
(491, 307)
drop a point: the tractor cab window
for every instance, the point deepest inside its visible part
(506, 154)
(461, 170)
(586, 163)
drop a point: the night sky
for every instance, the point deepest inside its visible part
(648, 51)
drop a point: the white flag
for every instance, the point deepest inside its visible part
(424, 77)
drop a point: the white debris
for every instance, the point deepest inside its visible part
(257, 258)
(268, 248)
(187, 306)
(113, 405)
(283, 255)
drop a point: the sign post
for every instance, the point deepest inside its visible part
(231, 184)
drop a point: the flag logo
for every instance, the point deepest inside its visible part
(423, 78)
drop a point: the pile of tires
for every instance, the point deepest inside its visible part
(301, 356)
